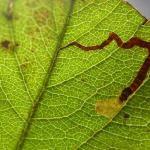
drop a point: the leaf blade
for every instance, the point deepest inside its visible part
(67, 115)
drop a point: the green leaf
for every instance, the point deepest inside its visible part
(48, 96)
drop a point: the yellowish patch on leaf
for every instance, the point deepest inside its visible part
(108, 108)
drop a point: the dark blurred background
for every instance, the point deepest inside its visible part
(143, 6)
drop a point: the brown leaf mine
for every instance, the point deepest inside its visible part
(134, 41)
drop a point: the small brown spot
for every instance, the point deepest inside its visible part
(83, 79)
(25, 64)
(16, 44)
(8, 45)
(5, 44)
(33, 50)
(126, 116)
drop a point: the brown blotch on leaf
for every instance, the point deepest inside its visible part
(108, 108)
(41, 16)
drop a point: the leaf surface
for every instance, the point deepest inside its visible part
(48, 96)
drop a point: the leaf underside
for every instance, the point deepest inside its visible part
(48, 96)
